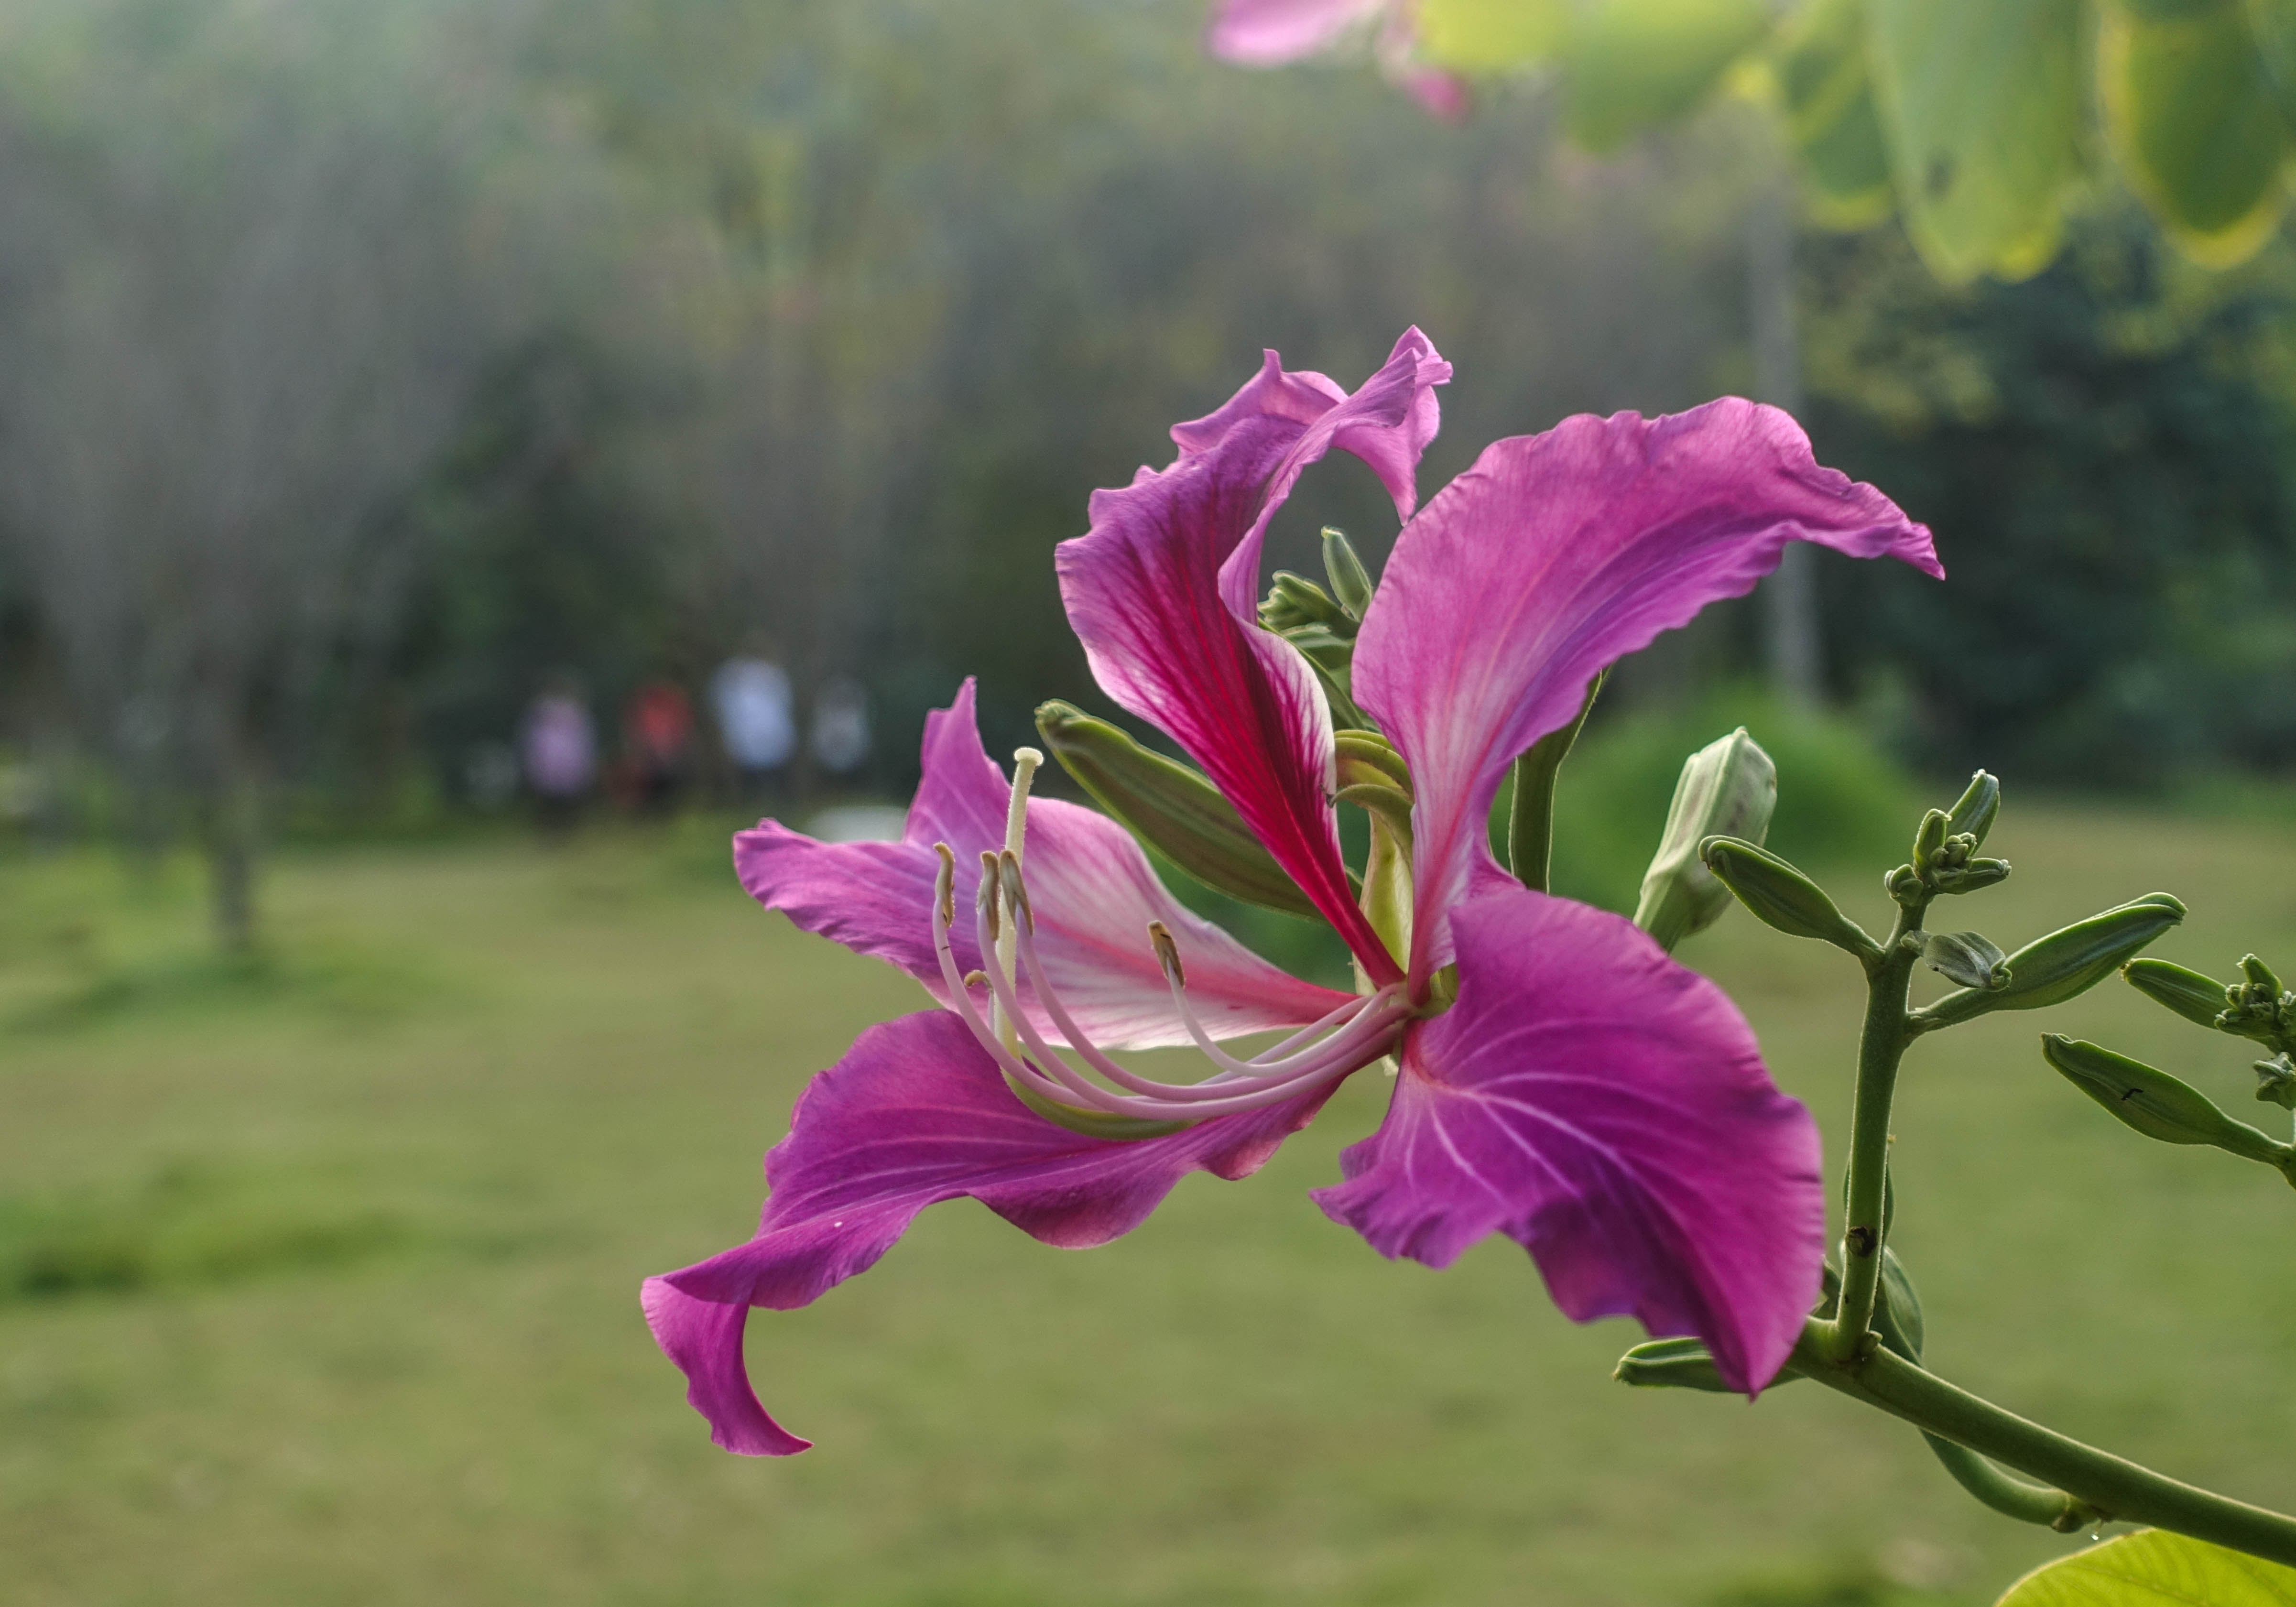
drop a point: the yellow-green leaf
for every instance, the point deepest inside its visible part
(1981, 105)
(2193, 121)
(2153, 1568)
(1830, 116)
(1490, 36)
(2273, 24)
(1633, 64)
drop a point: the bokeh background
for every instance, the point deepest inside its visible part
(373, 375)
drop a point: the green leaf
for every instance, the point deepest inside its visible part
(2190, 109)
(1490, 36)
(1830, 115)
(1633, 64)
(1982, 102)
(2272, 23)
(2153, 1568)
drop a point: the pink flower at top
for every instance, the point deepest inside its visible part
(1561, 1081)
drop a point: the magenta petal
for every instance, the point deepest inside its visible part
(1162, 592)
(916, 1113)
(1268, 33)
(1557, 554)
(1093, 891)
(1608, 1109)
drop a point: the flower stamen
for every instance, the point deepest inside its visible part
(1342, 1041)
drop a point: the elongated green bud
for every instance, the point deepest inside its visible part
(1530, 823)
(1350, 581)
(2051, 969)
(1928, 841)
(1966, 957)
(2156, 1104)
(1975, 811)
(1170, 807)
(1781, 896)
(1304, 601)
(2198, 998)
(1726, 789)
(1674, 1363)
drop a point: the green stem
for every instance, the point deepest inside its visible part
(2111, 1486)
(2009, 1495)
(1889, 980)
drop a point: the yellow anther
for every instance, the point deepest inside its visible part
(1168, 953)
(944, 885)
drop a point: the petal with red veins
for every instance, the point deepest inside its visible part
(1560, 554)
(1609, 1111)
(916, 1113)
(1090, 887)
(1162, 590)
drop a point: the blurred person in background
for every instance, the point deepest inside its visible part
(756, 723)
(840, 725)
(657, 745)
(559, 753)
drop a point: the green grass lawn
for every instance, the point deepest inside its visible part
(318, 1283)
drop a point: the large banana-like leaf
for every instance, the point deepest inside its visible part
(1982, 102)
(2194, 122)
(1490, 36)
(1830, 116)
(1633, 64)
(2153, 1568)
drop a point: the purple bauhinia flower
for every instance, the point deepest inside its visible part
(1561, 1080)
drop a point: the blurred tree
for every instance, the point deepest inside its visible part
(229, 365)
(2105, 453)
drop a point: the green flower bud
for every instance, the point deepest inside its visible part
(2156, 1104)
(1969, 876)
(1170, 807)
(1294, 600)
(1351, 583)
(2198, 999)
(1928, 841)
(1974, 812)
(2260, 976)
(1727, 789)
(1681, 1364)
(2053, 969)
(1781, 896)
(1966, 957)
(2276, 1082)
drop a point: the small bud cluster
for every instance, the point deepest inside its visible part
(1323, 624)
(1946, 860)
(2257, 1007)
